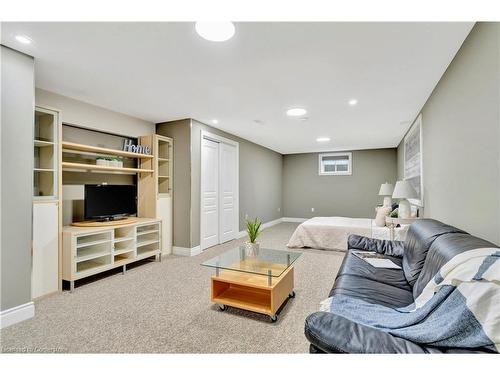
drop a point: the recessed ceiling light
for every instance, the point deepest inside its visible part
(215, 31)
(353, 102)
(322, 139)
(215, 121)
(296, 112)
(23, 39)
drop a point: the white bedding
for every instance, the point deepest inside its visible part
(332, 232)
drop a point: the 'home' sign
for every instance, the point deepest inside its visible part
(130, 147)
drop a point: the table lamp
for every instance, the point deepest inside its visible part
(403, 190)
(386, 190)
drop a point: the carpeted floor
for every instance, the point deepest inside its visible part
(165, 308)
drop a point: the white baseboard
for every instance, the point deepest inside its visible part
(17, 314)
(186, 251)
(269, 224)
(294, 219)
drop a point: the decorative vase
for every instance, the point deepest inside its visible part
(252, 249)
(101, 162)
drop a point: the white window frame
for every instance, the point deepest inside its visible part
(321, 171)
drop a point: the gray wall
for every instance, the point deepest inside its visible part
(18, 99)
(461, 138)
(180, 132)
(93, 117)
(353, 196)
(260, 180)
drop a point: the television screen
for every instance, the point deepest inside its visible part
(107, 201)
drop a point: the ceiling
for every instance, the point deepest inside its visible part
(165, 71)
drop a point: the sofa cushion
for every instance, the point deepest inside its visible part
(354, 266)
(441, 251)
(372, 291)
(332, 333)
(421, 234)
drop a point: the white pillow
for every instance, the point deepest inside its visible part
(382, 212)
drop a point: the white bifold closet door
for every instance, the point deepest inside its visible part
(219, 183)
(209, 225)
(228, 184)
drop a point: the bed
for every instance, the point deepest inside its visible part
(331, 233)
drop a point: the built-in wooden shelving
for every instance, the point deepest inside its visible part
(92, 167)
(77, 148)
(70, 146)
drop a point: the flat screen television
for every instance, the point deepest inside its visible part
(110, 202)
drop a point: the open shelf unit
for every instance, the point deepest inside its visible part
(252, 292)
(88, 251)
(92, 168)
(148, 239)
(94, 152)
(74, 147)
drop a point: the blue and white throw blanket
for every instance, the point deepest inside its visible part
(459, 307)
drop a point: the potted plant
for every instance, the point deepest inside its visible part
(253, 231)
(114, 161)
(100, 160)
(119, 161)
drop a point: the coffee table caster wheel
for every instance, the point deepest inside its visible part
(292, 295)
(274, 318)
(222, 307)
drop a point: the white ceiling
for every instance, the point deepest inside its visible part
(165, 71)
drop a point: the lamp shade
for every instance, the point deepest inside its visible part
(386, 189)
(404, 190)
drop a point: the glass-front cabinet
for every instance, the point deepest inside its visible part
(45, 167)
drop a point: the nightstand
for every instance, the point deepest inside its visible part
(392, 222)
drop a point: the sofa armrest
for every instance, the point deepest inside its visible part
(335, 334)
(386, 247)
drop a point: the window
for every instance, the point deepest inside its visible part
(339, 163)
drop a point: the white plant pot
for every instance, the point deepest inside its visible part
(252, 249)
(101, 162)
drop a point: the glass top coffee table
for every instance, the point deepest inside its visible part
(256, 281)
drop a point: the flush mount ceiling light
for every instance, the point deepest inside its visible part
(215, 31)
(353, 102)
(215, 121)
(296, 112)
(322, 139)
(23, 39)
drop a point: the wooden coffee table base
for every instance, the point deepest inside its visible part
(252, 292)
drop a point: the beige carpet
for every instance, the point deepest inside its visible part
(165, 308)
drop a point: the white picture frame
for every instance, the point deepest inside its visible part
(413, 160)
